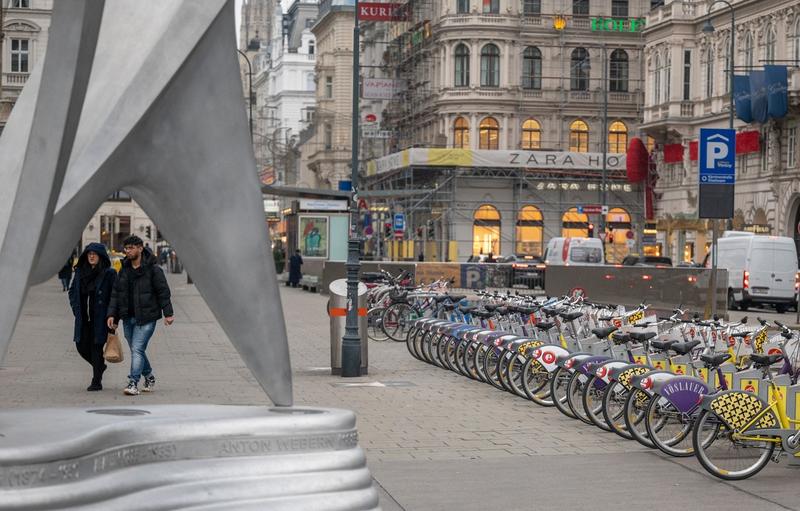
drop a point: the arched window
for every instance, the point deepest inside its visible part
(461, 133)
(532, 68)
(486, 231)
(618, 71)
(796, 42)
(579, 137)
(579, 69)
(490, 66)
(489, 134)
(462, 6)
(667, 75)
(709, 72)
(749, 57)
(657, 79)
(531, 135)
(530, 231)
(462, 66)
(617, 137)
(574, 224)
(769, 45)
(618, 223)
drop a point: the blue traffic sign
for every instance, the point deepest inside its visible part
(717, 156)
(399, 222)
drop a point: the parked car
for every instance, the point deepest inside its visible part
(762, 270)
(574, 251)
(527, 270)
(657, 261)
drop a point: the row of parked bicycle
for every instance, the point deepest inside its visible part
(723, 392)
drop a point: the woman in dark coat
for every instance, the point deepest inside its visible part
(89, 297)
(295, 262)
(65, 274)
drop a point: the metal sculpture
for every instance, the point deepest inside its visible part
(142, 101)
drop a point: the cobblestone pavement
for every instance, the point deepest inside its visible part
(434, 440)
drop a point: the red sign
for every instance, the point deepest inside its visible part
(592, 209)
(374, 11)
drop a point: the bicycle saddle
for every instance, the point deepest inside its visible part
(490, 307)
(715, 360)
(787, 335)
(440, 298)
(483, 314)
(544, 326)
(525, 310)
(399, 297)
(549, 311)
(467, 309)
(606, 318)
(765, 360)
(662, 345)
(602, 333)
(682, 348)
(642, 336)
(501, 311)
(620, 338)
(571, 316)
(456, 298)
(741, 334)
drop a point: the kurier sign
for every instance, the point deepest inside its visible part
(374, 11)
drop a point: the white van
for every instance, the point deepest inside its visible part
(761, 269)
(574, 251)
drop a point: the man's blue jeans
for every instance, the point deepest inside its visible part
(138, 336)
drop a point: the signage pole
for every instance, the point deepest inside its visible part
(351, 341)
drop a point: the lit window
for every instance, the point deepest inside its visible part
(461, 133)
(486, 231)
(617, 137)
(579, 137)
(530, 231)
(531, 135)
(489, 133)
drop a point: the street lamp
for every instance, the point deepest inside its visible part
(351, 341)
(253, 45)
(708, 28)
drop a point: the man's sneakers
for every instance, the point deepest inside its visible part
(132, 389)
(149, 383)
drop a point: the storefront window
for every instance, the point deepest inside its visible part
(530, 231)
(486, 231)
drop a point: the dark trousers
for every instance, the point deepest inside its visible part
(92, 352)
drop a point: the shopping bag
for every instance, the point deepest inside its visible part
(112, 351)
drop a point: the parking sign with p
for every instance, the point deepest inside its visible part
(717, 172)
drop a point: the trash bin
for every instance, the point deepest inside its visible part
(337, 311)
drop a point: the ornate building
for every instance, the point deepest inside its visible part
(688, 88)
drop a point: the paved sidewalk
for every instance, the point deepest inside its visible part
(434, 440)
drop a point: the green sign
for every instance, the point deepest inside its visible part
(617, 24)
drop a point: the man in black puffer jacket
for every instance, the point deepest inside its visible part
(140, 297)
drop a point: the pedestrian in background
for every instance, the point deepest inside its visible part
(140, 297)
(88, 297)
(295, 273)
(65, 274)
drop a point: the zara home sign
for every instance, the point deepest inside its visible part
(617, 24)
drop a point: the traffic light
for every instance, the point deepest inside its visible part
(591, 230)
(387, 230)
(148, 231)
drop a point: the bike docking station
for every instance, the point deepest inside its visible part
(84, 127)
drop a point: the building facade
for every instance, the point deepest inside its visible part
(25, 25)
(689, 88)
(326, 146)
(556, 84)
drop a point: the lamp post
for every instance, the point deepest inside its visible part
(253, 45)
(708, 28)
(351, 341)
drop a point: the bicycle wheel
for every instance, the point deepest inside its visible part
(635, 413)
(593, 403)
(725, 456)
(575, 395)
(410, 338)
(535, 383)
(374, 324)
(614, 399)
(558, 391)
(446, 349)
(668, 428)
(513, 372)
(435, 351)
(490, 366)
(397, 318)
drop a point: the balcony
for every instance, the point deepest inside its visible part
(676, 10)
(15, 79)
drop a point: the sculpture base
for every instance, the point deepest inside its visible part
(164, 457)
